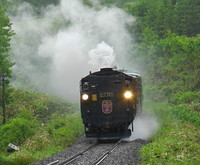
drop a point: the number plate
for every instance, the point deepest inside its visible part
(107, 106)
(106, 94)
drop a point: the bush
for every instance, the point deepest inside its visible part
(65, 128)
(36, 144)
(177, 141)
(175, 144)
(185, 97)
(40, 104)
(60, 131)
(185, 115)
(17, 130)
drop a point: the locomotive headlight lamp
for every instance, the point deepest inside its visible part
(85, 97)
(128, 94)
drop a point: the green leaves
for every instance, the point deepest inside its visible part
(41, 105)
(177, 144)
(171, 63)
(5, 37)
(17, 130)
(180, 17)
(177, 141)
(40, 124)
(168, 55)
(64, 128)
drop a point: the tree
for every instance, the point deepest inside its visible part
(12, 5)
(178, 16)
(188, 20)
(5, 37)
(5, 63)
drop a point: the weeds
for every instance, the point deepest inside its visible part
(41, 126)
(177, 142)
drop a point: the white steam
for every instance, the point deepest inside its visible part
(54, 51)
(145, 125)
(103, 56)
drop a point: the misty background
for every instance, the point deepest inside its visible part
(54, 50)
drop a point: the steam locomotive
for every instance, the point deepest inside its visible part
(110, 100)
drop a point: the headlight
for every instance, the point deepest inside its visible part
(85, 97)
(128, 94)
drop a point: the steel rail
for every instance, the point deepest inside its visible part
(98, 161)
(67, 161)
(54, 162)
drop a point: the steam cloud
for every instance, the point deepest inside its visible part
(103, 56)
(145, 125)
(54, 51)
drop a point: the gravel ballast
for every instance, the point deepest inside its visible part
(126, 153)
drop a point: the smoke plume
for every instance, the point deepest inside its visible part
(55, 50)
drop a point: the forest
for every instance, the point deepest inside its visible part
(166, 52)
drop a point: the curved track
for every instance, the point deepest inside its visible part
(98, 161)
(88, 152)
(77, 157)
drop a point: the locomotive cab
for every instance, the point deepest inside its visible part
(109, 102)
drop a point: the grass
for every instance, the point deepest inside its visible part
(39, 124)
(177, 141)
(58, 133)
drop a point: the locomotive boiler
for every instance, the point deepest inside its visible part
(109, 101)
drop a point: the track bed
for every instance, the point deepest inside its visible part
(121, 153)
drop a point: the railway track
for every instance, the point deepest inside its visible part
(98, 161)
(80, 154)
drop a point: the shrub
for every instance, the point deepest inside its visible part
(185, 97)
(65, 128)
(185, 115)
(40, 104)
(17, 130)
(176, 144)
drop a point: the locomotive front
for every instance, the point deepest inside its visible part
(108, 104)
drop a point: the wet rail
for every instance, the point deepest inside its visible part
(68, 161)
(78, 155)
(98, 161)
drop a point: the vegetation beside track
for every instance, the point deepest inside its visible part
(41, 125)
(177, 141)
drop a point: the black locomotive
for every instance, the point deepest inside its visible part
(110, 100)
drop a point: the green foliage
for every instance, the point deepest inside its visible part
(22, 159)
(173, 63)
(180, 17)
(186, 97)
(17, 130)
(177, 141)
(64, 128)
(167, 53)
(60, 131)
(176, 144)
(40, 124)
(5, 37)
(185, 115)
(12, 5)
(119, 3)
(41, 105)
